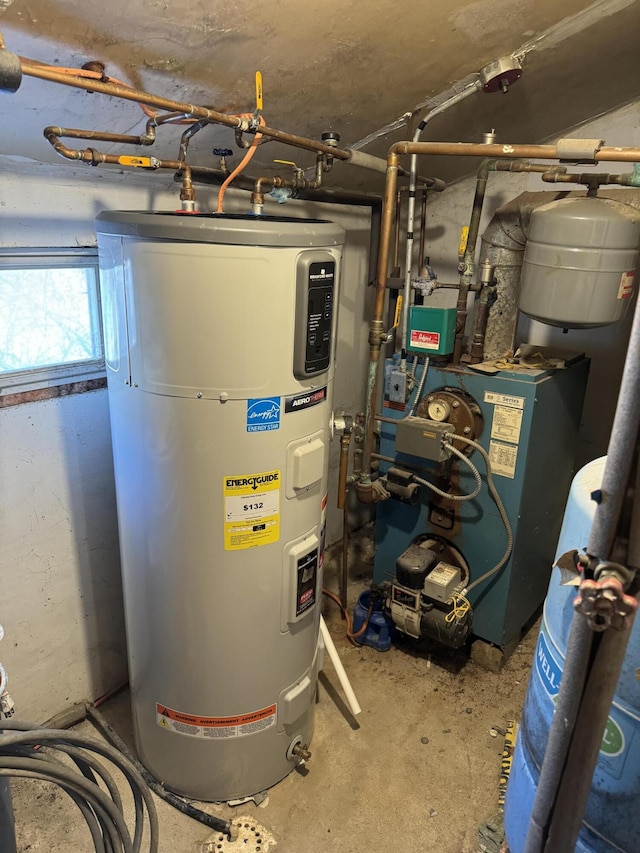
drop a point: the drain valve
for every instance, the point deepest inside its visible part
(298, 750)
(302, 751)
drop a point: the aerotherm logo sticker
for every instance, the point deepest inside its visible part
(304, 401)
(263, 414)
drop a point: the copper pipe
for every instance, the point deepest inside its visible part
(454, 149)
(32, 69)
(591, 180)
(344, 584)
(365, 490)
(52, 134)
(345, 441)
(93, 157)
(506, 152)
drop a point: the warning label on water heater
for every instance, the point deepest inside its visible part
(215, 727)
(251, 510)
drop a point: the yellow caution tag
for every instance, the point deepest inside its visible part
(258, 90)
(464, 236)
(142, 162)
(396, 317)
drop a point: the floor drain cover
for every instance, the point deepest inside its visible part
(252, 838)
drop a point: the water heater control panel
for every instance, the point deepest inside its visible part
(315, 292)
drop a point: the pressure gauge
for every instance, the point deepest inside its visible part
(438, 410)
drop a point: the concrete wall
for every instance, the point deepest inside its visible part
(450, 211)
(61, 601)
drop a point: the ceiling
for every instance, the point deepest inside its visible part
(354, 66)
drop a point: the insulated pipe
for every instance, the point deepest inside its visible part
(575, 784)
(378, 164)
(571, 755)
(365, 490)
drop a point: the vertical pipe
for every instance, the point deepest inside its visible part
(345, 556)
(468, 263)
(423, 226)
(575, 784)
(396, 235)
(376, 329)
(572, 752)
(470, 89)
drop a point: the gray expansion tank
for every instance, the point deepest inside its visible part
(580, 262)
(219, 343)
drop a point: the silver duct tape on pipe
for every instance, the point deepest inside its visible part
(379, 164)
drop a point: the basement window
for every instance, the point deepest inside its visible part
(50, 323)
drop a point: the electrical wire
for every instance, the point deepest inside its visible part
(30, 752)
(460, 608)
(423, 378)
(468, 463)
(241, 165)
(503, 514)
(347, 618)
(216, 823)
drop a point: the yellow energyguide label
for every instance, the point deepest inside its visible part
(251, 509)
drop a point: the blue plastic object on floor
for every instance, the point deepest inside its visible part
(380, 629)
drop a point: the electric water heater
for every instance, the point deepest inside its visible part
(219, 343)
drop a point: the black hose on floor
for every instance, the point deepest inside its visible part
(30, 752)
(213, 822)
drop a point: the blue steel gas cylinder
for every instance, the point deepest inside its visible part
(612, 818)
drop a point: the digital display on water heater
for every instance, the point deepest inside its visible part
(314, 316)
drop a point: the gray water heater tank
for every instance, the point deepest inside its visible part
(580, 262)
(220, 339)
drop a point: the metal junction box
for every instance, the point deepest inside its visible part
(422, 437)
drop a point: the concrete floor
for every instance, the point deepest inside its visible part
(417, 771)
